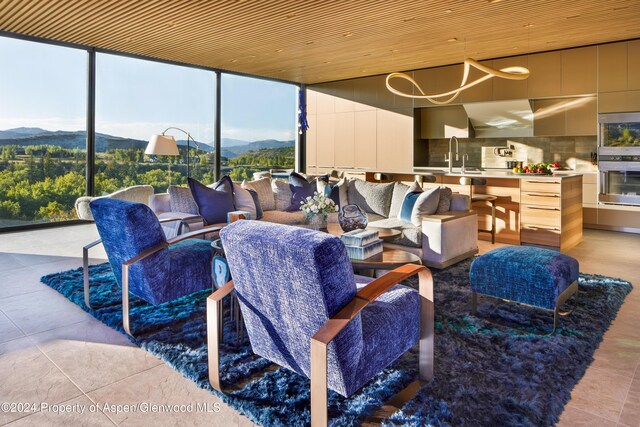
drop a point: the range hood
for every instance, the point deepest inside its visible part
(501, 119)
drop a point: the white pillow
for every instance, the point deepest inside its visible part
(263, 188)
(427, 204)
(244, 201)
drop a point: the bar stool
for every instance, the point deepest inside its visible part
(482, 198)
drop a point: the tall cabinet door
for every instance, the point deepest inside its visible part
(325, 137)
(395, 140)
(344, 140)
(312, 161)
(365, 150)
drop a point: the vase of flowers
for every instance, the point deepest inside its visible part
(316, 209)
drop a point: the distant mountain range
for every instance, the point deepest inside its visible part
(77, 139)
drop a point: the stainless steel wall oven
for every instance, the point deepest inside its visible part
(619, 158)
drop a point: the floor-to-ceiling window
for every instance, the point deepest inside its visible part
(43, 97)
(137, 98)
(258, 125)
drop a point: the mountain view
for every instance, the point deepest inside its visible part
(42, 172)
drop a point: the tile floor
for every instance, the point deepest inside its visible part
(51, 351)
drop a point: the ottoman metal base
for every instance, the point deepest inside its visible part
(562, 298)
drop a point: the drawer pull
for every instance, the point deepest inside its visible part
(539, 181)
(539, 227)
(543, 195)
(540, 208)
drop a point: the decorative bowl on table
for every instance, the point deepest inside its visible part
(351, 217)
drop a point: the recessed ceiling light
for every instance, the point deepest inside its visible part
(233, 60)
(529, 25)
(573, 16)
(493, 1)
(327, 62)
(278, 50)
(309, 43)
(515, 47)
(408, 19)
(347, 34)
(448, 11)
(367, 54)
(452, 39)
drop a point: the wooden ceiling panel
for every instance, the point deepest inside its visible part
(312, 41)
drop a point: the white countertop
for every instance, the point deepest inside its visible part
(497, 173)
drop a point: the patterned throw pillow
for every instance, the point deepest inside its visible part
(181, 200)
(281, 194)
(426, 204)
(213, 203)
(300, 190)
(407, 206)
(263, 188)
(444, 205)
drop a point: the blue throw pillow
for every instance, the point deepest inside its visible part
(256, 201)
(407, 205)
(213, 203)
(300, 190)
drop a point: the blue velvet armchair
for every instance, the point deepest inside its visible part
(303, 310)
(143, 261)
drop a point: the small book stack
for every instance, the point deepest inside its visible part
(362, 244)
(236, 215)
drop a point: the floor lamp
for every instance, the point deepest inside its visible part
(169, 139)
(161, 145)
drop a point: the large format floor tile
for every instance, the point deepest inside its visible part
(28, 376)
(92, 354)
(8, 330)
(72, 413)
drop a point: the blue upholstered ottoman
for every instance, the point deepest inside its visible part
(528, 275)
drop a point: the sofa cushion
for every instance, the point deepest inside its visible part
(281, 194)
(339, 193)
(426, 204)
(372, 197)
(213, 203)
(181, 200)
(263, 188)
(282, 217)
(399, 191)
(300, 190)
(407, 206)
(411, 235)
(444, 205)
(243, 201)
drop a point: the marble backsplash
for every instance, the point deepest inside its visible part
(573, 152)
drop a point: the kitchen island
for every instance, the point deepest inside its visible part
(530, 209)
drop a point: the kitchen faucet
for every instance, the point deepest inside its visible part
(449, 158)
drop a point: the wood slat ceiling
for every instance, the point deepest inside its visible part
(312, 41)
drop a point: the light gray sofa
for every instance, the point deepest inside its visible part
(442, 239)
(137, 193)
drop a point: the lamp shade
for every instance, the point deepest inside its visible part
(162, 145)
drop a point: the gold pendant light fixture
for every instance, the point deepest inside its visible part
(510, 73)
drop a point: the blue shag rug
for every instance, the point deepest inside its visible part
(485, 374)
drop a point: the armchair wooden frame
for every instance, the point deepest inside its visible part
(322, 338)
(127, 264)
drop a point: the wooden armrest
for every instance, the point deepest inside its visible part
(368, 294)
(163, 220)
(177, 239)
(222, 292)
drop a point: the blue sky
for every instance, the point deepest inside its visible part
(45, 86)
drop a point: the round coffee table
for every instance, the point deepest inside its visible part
(383, 233)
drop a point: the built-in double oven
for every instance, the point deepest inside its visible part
(619, 158)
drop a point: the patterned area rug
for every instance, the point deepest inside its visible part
(485, 374)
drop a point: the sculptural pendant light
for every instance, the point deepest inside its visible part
(510, 73)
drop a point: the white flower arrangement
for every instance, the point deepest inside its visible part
(318, 204)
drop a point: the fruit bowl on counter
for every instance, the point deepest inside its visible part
(538, 169)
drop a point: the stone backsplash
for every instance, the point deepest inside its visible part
(570, 151)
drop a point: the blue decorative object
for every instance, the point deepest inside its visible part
(407, 205)
(525, 274)
(485, 373)
(351, 217)
(300, 190)
(303, 125)
(213, 203)
(312, 277)
(220, 271)
(127, 229)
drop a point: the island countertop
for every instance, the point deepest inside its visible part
(497, 174)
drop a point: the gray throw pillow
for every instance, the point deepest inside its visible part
(265, 193)
(281, 194)
(427, 204)
(181, 200)
(372, 197)
(444, 205)
(399, 191)
(244, 201)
